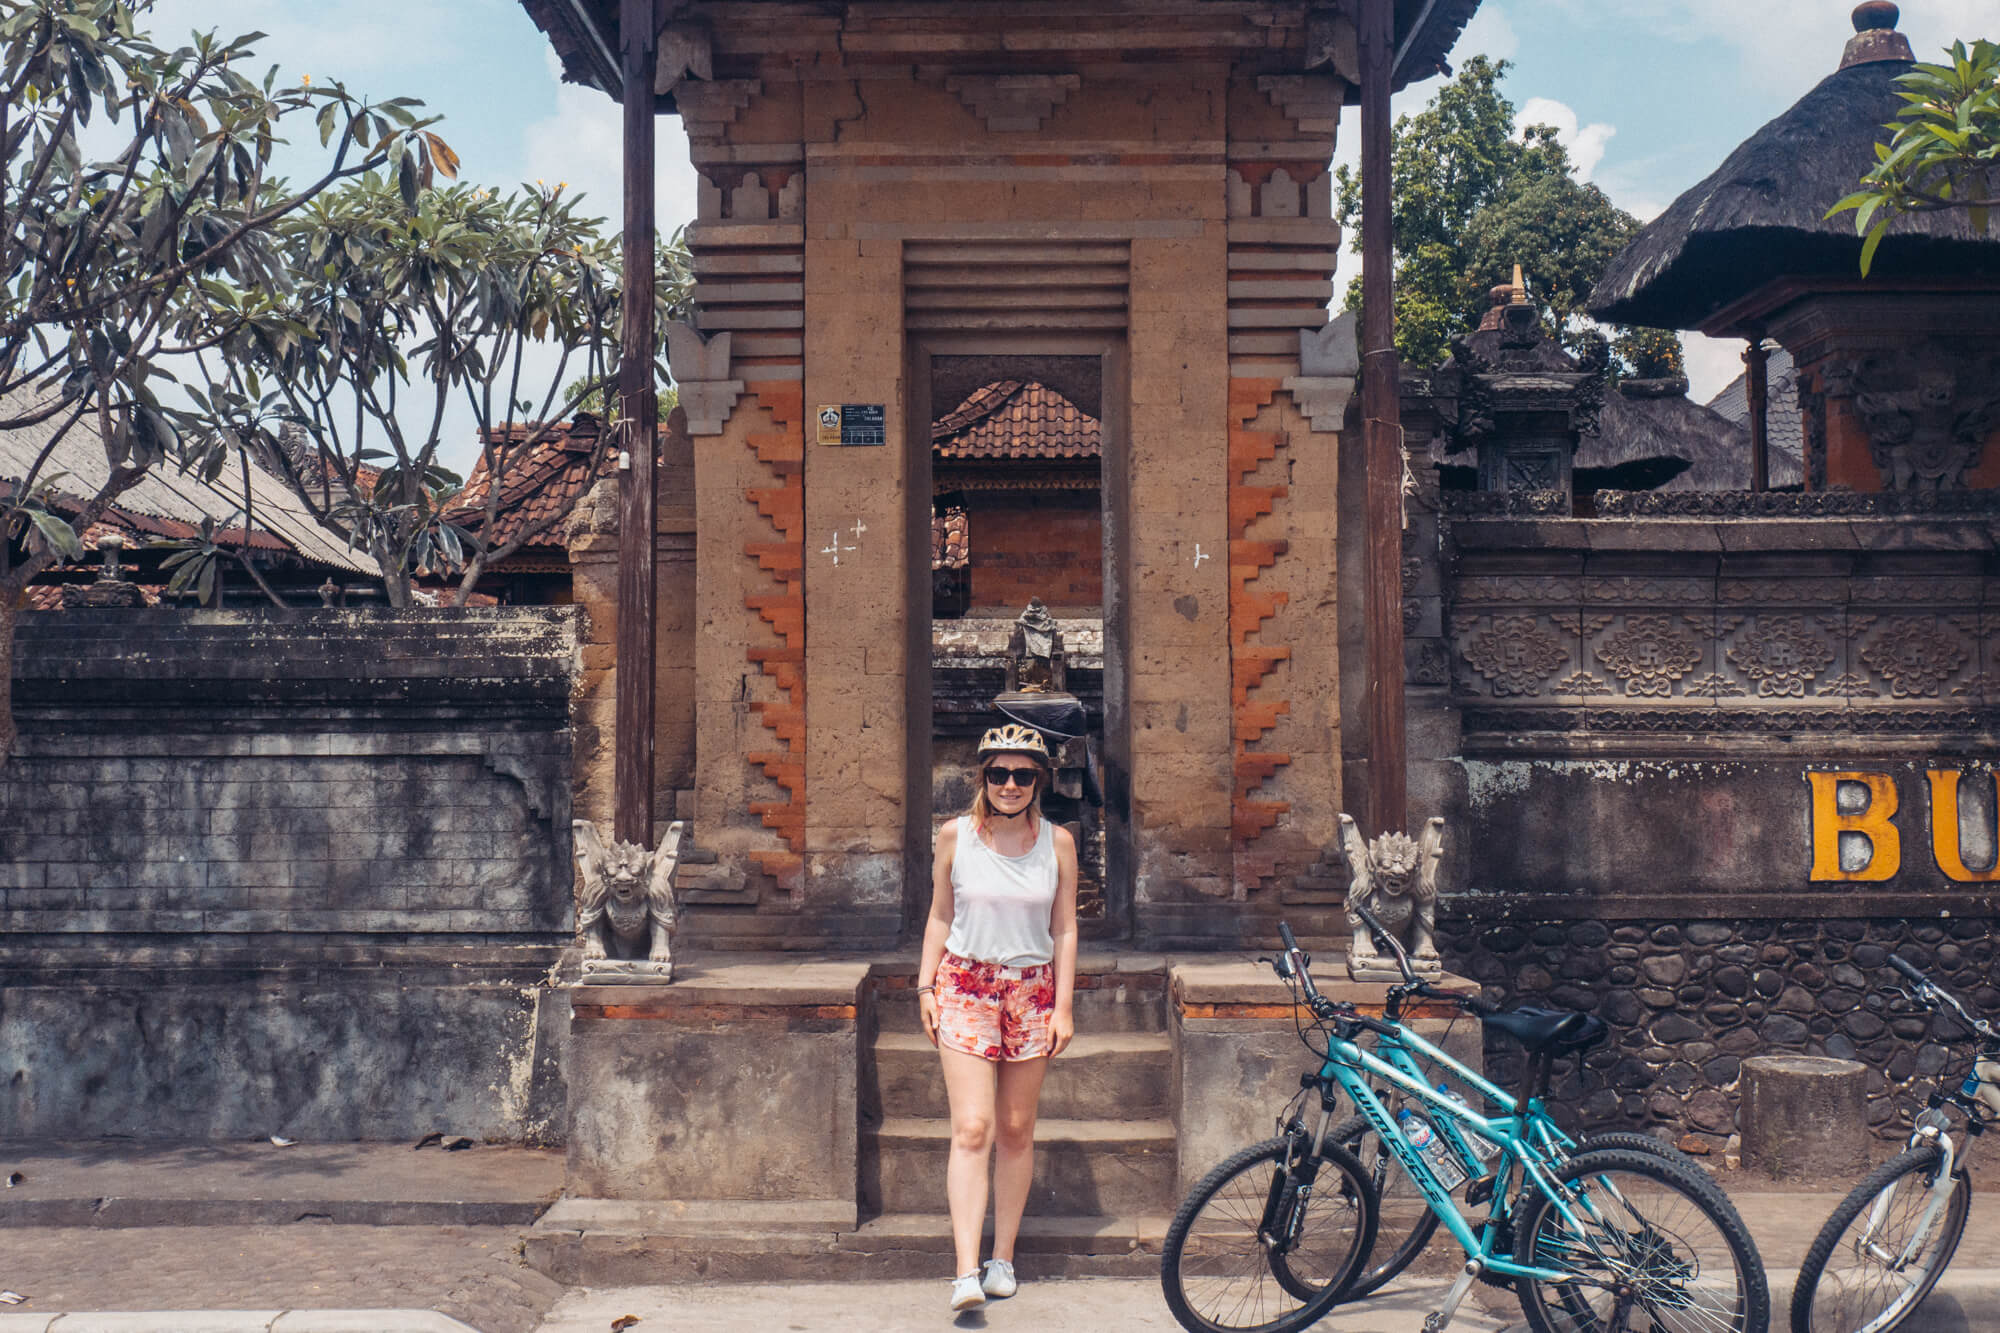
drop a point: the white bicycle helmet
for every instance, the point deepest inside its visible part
(1013, 738)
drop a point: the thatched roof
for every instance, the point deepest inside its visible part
(584, 34)
(1762, 215)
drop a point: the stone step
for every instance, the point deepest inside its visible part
(603, 1248)
(1110, 1076)
(1082, 1167)
(1128, 997)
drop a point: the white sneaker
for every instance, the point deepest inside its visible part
(965, 1292)
(999, 1281)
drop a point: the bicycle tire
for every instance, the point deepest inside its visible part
(1696, 1176)
(1229, 1247)
(1405, 1214)
(1618, 1138)
(1662, 1232)
(1922, 1162)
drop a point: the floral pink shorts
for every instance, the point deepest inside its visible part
(995, 1012)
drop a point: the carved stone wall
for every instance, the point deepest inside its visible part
(1876, 625)
(302, 873)
(1713, 758)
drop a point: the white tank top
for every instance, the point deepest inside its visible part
(1001, 904)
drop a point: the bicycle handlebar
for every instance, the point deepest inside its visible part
(1293, 965)
(1930, 990)
(1387, 941)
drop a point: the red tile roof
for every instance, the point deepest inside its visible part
(542, 481)
(949, 548)
(1016, 419)
(49, 596)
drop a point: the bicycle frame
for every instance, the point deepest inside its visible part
(1344, 1066)
(1396, 1050)
(1933, 1126)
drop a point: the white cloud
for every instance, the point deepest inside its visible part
(582, 143)
(1711, 364)
(1489, 34)
(1788, 43)
(1585, 142)
(355, 40)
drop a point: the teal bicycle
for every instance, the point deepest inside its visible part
(1610, 1240)
(1405, 1223)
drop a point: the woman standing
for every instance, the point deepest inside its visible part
(994, 989)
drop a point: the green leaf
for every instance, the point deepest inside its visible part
(58, 535)
(1869, 246)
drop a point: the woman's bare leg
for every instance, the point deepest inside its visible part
(969, 1086)
(1020, 1090)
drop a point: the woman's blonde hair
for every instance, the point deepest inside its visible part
(981, 809)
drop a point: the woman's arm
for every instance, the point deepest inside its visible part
(936, 929)
(1062, 927)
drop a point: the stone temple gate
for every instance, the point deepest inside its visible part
(890, 193)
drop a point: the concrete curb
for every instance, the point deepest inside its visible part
(1964, 1298)
(235, 1321)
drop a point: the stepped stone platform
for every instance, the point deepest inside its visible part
(764, 1119)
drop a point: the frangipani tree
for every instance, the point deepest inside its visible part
(138, 207)
(1943, 150)
(405, 303)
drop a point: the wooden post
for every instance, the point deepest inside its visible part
(1382, 435)
(638, 411)
(1756, 395)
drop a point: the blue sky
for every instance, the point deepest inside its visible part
(1651, 95)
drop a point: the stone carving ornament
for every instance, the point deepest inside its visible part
(1764, 504)
(1516, 654)
(1782, 655)
(1649, 654)
(1396, 879)
(1928, 411)
(625, 905)
(1916, 655)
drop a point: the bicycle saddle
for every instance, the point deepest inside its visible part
(1552, 1030)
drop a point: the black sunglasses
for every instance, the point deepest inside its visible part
(1020, 777)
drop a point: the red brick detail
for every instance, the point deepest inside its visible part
(1251, 660)
(782, 505)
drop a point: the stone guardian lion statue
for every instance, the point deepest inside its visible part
(1396, 879)
(625, 904)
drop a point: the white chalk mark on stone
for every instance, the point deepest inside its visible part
(1200, 555)
(859, 528)
(836, 550)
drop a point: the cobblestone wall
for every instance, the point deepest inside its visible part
(1688, 1001)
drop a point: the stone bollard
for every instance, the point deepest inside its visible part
(1804, 1117)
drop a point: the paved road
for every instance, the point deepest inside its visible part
(469, 1273)
(1082, 1305)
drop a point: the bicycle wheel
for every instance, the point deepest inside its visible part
(1645, 1250)
(1869, 1267)
(1404, 1220)
(1696, 1177)
(1219, 1274)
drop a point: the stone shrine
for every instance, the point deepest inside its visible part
(897, 205)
